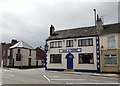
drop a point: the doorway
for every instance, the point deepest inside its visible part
(69, 57)
(29, 62)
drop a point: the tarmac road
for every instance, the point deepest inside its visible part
(11, 77)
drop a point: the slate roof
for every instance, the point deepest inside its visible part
(83, 32)
(21, 44)
(73, 33)
(110, 28)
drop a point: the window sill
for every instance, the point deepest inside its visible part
(86, 46)
(55, 47)
(85, 63)
(55, 63)
(112, 49)
(69, 46)
(110, 65)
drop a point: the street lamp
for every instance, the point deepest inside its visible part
(46, 49)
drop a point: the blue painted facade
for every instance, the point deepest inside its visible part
(98, 53)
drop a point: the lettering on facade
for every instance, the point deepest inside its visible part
(70, 50)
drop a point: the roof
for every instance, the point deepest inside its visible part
(21, 44)
(38, 48)
(110, 28)
(84, 32)
(74, 33)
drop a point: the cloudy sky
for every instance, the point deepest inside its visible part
(29, 20)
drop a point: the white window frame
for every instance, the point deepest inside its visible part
(109, 42)
(110, 56)
(69, 43)
(56, 44)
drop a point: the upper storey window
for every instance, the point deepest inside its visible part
(56, 44)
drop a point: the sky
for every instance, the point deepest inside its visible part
(30, 20)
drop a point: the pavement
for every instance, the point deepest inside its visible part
(94, 74)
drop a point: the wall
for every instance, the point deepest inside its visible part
(63, 65)
(25, 56)
(104, 38)
(105, 50)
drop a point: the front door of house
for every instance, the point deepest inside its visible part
(69, 61)
(29, 61)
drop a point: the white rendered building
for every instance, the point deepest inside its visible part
(73, 49)
(21, 55)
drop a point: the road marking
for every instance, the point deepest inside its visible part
(8, 74)
(11, 75)
(55, 76)
(46, 77)
(100, 81)
(70, 79)
(94, 83)
(69, 83)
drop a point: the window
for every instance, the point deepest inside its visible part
(110, 59)
(18, 51)
(51, 44)
(85, 42)
(18, 57)
(69, 43)
(55, 58)
(57, 44)
(30, 52)
(86, 58)
(111, 42)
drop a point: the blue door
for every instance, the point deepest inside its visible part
(69, 61)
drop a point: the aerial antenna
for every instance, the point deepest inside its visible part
(102, 18)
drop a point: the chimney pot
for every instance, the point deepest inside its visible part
(52, 30)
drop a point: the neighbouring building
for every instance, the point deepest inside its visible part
(73, 49)
(21, 55)
(5, 47)
(110, 48)
(0, 55)
(40, 57)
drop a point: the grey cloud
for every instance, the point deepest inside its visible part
(32, 25)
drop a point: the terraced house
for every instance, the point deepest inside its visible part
(110, 48)
(86, 49)
(73, 49)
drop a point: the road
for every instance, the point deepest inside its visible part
(40, 76)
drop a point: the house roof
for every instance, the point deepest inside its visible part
(21, 44)
(84, 32)
(73, 33)
(110, 28)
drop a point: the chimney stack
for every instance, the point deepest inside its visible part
(52, 30)
(13, 41)
(99, 24)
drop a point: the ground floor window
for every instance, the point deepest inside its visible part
(110, 59)
(86, 58)
(55, 58)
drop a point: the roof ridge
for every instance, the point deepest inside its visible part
(22, 44)
(76, 28)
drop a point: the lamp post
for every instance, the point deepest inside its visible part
(46, 49)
